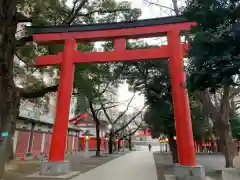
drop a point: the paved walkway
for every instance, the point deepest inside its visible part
(133, 166)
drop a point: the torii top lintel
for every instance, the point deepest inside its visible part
(119, 32)
(105, 31)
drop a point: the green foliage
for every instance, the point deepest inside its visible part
(235, 126)
(214, 53)
(160, 119)
(88, 77)
(200, 124)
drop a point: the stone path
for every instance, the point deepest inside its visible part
(133, 166)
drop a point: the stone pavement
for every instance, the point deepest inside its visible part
(132, 166)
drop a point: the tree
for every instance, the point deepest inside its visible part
(172, 9)
(50, 12)
(120, 122)
(94, 101)
(214, 63)
(129, 131)
(212, 36)
(152, 79)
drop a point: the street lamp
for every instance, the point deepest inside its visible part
(106, 145)
(86, 138)
(86, 143)
(109, 126)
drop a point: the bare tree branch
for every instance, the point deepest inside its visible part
(120, 116)
(104, 89)
(93, 111)
(23, 41)
(124, 112)
(105, 112)
(130, 121)
(75, 12)
(70, 18)
(19, 19)
(175, 7)
(133, 131)
(37, 93)
(100, 11)
(149, 2)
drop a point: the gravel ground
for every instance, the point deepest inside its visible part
(18, 170)
(212, 163)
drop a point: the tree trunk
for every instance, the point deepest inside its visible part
(9, 98)
(227, 146)
(98, 150)
(218, 146)
(6, 145)
(173, 148)
(119, 144)
(10, 144)
(30, 143)
(110, 143)
(10, 149)
(224, 130)
(175, 7)
(220, 117)
(130, 143)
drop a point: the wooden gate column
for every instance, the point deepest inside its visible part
(183, 125)
(60, 127)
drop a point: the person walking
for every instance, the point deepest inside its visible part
(149, 147)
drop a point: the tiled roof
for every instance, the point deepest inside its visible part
(37, 117)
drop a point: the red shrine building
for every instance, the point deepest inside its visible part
(32, 138)
(88, 126)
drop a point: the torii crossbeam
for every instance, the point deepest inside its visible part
(119, 33)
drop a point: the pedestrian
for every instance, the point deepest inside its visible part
(149, 147)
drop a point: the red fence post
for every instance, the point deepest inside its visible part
(60, 127)
(183, 123)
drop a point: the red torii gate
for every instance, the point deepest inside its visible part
(119, 32)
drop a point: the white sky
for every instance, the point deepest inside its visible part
(150, 11)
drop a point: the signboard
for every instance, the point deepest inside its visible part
(4, 134)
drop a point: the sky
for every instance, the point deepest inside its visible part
(150, 11)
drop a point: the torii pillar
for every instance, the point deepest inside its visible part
(187, 167)
(56, 164)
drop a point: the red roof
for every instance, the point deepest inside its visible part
(145, 132)
(82, 118)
